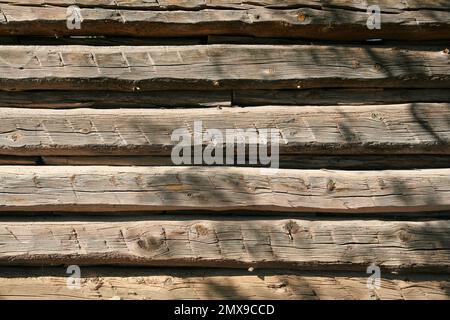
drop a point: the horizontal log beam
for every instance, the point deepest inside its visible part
(350, 245)
(194, 284)
(339, 130)
(213, 67)
(336, 20)
(93, 189)
(386, 5)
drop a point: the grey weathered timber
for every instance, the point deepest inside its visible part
(91, 114)
(125, 68)
(418, 128)
(155, 284)
(350, 245)
(385, 5)
(111, 99)
(334, 20)
(336, 96)
(103, 188)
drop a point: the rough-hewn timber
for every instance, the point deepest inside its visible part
(91, 189)
(300, 244)
(418, 128)
(336, 20)
(130, 283)
(125, 68)
(368, 102)
(385, 5)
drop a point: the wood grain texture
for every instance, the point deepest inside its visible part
(373, 162)
(97, 189)
(385, 5)
(337, 96)
(347, 245)
(124, 68)
(339, 130)
(195, 284)
(335, 20)
(111, 99)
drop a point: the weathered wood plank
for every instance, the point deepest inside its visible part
(351, 130)
(386, 5)
(337, 20)
(422, 246)
(144, 68)
(91, 189)
(337, 96)
(111, 99)
(374, 162)
(154, 284)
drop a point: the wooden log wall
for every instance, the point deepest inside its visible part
(86, 174)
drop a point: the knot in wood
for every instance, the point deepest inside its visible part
(404, 235)
(301, 16)
(331, 185)
(377, 66)
(201, 230)
(150, 243)
(292, 228)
